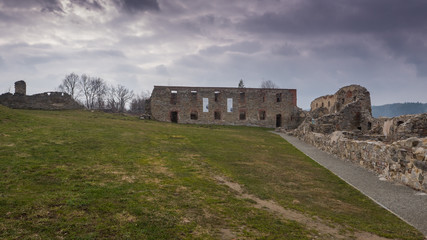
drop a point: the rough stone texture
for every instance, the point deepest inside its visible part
(348, 109)
(403, 161)
(345, 95)
(256, 103)
(394, 148)
(20, 88)
(405, 126)
(42, 101)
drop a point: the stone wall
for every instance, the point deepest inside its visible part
(344, 96)
(226, 106)
(348, 109)
(404, 161)
(41, 101)
(394, 148)
(20, 88)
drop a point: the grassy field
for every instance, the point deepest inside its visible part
(85, 175)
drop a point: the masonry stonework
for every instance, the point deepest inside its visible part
(226, 106)
(394, 148)
(41, 101)
(20, 88)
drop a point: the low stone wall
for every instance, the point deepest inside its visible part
(41, 101)
(403, 161)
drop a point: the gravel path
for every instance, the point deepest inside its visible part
(406, 203)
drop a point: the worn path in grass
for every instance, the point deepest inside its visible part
(408, 204)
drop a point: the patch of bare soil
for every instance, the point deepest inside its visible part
(323, 228)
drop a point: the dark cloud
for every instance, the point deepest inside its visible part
(344, 50)
(314, 46)
(51, 6)
(90, 5)
(135, 6)
(286, 50)
(240, 47)
(331, 16)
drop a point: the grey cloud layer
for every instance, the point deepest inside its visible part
(314, 46)
(131, 6)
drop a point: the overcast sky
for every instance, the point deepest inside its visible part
(314, 46)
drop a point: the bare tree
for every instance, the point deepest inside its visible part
(69, 84)
(118, 97)
(99, 91)
(111, 99)
(268, 84)
(139, 103)
(123, 95)
(84, 86)
(94, 91)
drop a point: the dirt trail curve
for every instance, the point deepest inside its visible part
(408, 204)
(322, 227)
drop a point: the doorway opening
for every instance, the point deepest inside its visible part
(278, 120)
(174, 117)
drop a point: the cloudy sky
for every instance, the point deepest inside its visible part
(315, 46)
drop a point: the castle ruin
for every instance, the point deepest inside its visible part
(394, 148)
(226, 106)
(41, 101)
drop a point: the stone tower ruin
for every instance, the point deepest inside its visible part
(20, 88)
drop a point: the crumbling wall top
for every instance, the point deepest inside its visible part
(20, 88)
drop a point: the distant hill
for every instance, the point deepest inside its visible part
(397, 109)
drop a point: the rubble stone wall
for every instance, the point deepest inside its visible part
(394, 148)
(345, 95)
(41, 101)
(403, 161)
(226, 106)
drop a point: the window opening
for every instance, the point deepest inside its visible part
(229, 105)
(174, 97)
(216, 96)
(242, 115)
(278, 97)
(242, 97)
(205, 105)
(194, 95)
(261, 115)
(194, 115)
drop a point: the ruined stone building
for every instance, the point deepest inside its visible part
(226, 106)
(348, 109)
(42, 101)
(394, 148)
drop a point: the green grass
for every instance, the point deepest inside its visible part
(83, 175)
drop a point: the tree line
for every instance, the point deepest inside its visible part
(94, 93)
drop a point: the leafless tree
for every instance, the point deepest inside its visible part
(69, 84)
(123, 96)
(268, 84)
(84, 86)
(99, 90)
(118, 97)
(139, 103)
(94, 91)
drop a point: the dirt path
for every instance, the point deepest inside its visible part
(323, 228)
